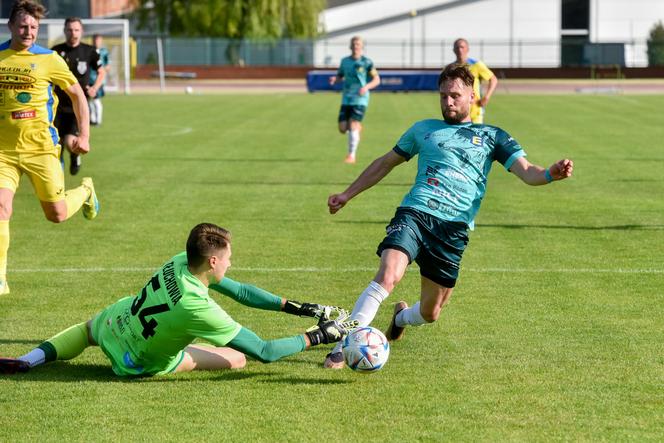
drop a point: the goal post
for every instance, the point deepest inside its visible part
(115, 33)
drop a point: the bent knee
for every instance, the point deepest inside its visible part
(389, 280)
(431, 316)
(56, 217)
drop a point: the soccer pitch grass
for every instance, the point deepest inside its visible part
(554, 332)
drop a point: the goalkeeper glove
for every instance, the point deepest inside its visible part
(330, 331)
(321, 312)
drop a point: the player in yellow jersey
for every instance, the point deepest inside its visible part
(29, 143)
(481, 72)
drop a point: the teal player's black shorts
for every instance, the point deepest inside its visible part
(435, 245)
(352, 112)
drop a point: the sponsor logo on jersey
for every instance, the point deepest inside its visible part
(433, 204)
(24, 115)
(476, 140)
(16, 80)
(23, 97)
(82, 67)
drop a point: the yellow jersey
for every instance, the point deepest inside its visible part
(27, 100)
(481, 72)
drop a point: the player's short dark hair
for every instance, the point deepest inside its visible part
(27, 7)
(454, 71)
(204, 240)
(73, 20)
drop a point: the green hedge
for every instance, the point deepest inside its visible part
(656, 45)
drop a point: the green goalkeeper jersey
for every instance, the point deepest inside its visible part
(145, 334)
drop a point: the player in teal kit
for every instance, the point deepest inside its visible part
(151, 333)
(430, 226)
(359, 76)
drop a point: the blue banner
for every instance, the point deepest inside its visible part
(389, 81)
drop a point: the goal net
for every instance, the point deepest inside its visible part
(115, 33)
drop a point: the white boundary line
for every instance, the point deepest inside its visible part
(352, 269)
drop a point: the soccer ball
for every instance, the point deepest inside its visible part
(366, 349)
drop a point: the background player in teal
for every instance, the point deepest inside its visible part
(96, 106)
(151, 333)
(430, 226)
(359, 76)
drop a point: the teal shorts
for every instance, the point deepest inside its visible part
(435, 245)
(352, 112)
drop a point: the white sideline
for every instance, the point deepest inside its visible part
(356, 269)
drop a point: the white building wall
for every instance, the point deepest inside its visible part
(625, 21)
(503, 33)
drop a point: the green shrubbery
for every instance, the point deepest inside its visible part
(656, 45)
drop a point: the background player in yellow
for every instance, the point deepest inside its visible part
(29, 143)
(481, 72)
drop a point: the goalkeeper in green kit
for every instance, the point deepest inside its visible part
(152, 332)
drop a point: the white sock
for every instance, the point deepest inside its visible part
(410, 316)
(100, 109)
(366, 306)
(353, 141)
(34, 357)
(93, 111)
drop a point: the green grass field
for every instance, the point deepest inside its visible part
(554, 333)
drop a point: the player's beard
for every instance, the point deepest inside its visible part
(455, 117)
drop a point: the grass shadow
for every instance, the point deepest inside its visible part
(63, 372)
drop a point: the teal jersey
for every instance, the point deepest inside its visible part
(356, 74)
(453, 166)
(144, 334)
(104, 59)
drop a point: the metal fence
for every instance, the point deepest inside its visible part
(222, 52)
(390, 53)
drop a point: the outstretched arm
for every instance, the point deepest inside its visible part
(535, 175)
(266, 351)
(374, 173)
(255, 297)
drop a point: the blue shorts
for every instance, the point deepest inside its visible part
(435, 245)
(352, 112)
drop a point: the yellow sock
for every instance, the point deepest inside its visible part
(4, 247)
(75, 199)
(67, 344)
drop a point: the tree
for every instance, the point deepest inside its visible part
(235, 19)
(656, 45)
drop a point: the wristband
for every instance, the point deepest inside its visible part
(547, 176)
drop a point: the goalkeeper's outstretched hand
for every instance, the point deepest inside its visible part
(330, 331)
(321, 312)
